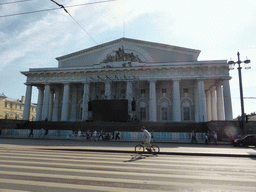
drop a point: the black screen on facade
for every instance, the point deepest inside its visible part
(110, 110)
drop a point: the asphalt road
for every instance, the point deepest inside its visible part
(50, 165)
(222, 149)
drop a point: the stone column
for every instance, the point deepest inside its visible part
(152, 100)
(85, 113)
(108, 90)
(220, 106)
(65, 103)
(213, 103)
(227, 100)
(176, 101)
(55, 112)
(50, 106)
(46, 102)
(129, 97)
(208, 105)
(202, 117)
(27, 104)
(73, 105)
(39, 103)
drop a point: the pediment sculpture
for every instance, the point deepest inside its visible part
(120, 55)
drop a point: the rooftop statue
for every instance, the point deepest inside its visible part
(120, 55)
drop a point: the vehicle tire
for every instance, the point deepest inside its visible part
(155, 149)
(139, 148)
(241, 144)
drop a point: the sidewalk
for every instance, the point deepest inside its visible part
(199, 149)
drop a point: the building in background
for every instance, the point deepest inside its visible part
(130, 80)
(13, 108)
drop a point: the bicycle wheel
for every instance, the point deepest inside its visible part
(139, 148)
(155, 149)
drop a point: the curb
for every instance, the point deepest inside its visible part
(160, 153)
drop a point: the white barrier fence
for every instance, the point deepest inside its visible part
(124, 136)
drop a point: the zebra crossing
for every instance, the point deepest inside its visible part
(55, 170)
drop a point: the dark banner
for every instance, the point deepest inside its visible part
(110, 110)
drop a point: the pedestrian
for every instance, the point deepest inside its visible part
(84, 135)
(94, 135)
(79, 134)
(209, 136)
(88, 134)
(206, 138)
(113, 137)
(31, 133)
(107, 137)
(117, 135)
(101, 135)
(152, 136)
(91, 138)
(215, 137)
(193, 139)
(46, 133)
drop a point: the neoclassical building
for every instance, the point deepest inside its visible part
(127, 79)
(13, 108)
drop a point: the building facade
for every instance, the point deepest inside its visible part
(13, 108)
(149, 81)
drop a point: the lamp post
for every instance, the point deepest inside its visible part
(247, 61)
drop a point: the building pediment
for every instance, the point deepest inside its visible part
(126, 51)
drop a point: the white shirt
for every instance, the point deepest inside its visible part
(146, 133)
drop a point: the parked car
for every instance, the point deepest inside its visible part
(246, 140)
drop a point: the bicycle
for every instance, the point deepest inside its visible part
(140, 148)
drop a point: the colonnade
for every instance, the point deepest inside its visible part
(213, 104)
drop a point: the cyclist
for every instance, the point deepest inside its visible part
(148, 138)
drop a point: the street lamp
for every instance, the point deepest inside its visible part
(247, 61)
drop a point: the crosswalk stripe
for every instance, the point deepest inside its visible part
(203, 184)
(71, 186)
(109, 165)
(124, 158)
(17, 167)
(137, 173)
(193, 161)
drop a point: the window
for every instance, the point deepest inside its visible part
(122, 91)
(11, 105)
(163, 90)
(20, 107)
(142, 91)
(186, 113)
(15, 106)
(5, 104)
(185, 90)
(164, 113)
(143, 113)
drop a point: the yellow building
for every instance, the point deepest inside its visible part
(13, 108)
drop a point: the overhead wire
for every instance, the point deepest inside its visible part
(62, 7)
(37, 11)
(15, 2)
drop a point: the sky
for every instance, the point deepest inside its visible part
(219, 28)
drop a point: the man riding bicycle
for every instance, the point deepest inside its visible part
(148, 138)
